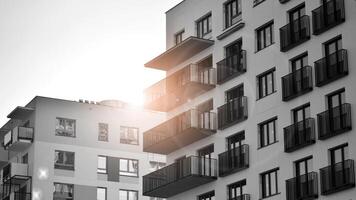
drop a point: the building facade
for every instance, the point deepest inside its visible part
(58, 149)
(259, 98)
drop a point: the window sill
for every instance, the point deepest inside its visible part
(266, 95)
(259, 148)
(271, 196)
(230, 30)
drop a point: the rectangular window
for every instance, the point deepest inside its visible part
(102, 163)
(207, 196)
(235, 190)
(63, 191)
(64, 160)
(128, 135)
(267, 131)
(65, 127)
(269, 183)
(233, 12)
(301, 113)
(204, 26)
(178, 37)
(265, 36)
(25, 159)
(101, 193)
(265, 83)
(154, 166)
(128, 167)
(128, 195)
(303, 166)
(103, 132)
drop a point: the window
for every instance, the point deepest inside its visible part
(25, 159)
(303, 166)
(265, 83)
(332, 46)
(103, 132)
(269, 183)
(267, 131)
(102, 162)
(256, 2)
(128, 167)
(301, 113)
(64, 160)
(63, 191)
(207, 196)
(101, 193)
(204, 26)
(65, 127)
(334, 100)
(128, 195)
(234, 93)
(265, 36)
(205, 154)
(156, 165)
(178, 37)
(338, 154)
(128, 135)
(232, 12)
(299, 62)
(235, 190)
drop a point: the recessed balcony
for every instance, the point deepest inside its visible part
(234, 160)
(182, 130)
(232, 112)
(179, 177)
(295, 33)
(297, 83)
(299, 135)
(18, 139)
(179, 53)
(231, 67)
(337, 177)
(13, 170)
(179, 87)
(331, 68)
(303, 187)
(335, 121)
(328, 15)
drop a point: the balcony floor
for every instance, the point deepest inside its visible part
(179, 186)
(19, 146)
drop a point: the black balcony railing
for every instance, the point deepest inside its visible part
(22, 196)
(337, 177)
(241, 197)
(295, 33)
(297, 83)
(334, 121)
(331, 68)
(179, 131)
(302, 187)
(234, 160)
(328, 15)
(231, 67)
(232, 112)
(180, 176)
(299, 135)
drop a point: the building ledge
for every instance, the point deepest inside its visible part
(20, 113)
(231, 30)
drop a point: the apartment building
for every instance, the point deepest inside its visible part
(259, 97)
(67, 150)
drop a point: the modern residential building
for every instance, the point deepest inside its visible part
(67, 150)
(259, 97)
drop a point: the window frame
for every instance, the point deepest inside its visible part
(228, 16)
(128, 168)
(263, 181)
(125, 140)
(257, 2)
(178, 37)
(200, 29)
(262, 30)
(263, 78)
(260, 132)
(127, 193)
(100, 125)
(67, 184)
(207, 195)
(64, 131)
(233, 186)
(106, 192)
(64, 166)
(105, 170)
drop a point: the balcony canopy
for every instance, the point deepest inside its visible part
(20, 113)
(179, 53)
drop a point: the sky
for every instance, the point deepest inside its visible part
(78, 49)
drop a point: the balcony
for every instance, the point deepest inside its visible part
(337, 177)
(19, 196)
(232, 112)
(231, 67)
(181, 86)
(18, 139)
(299, 135)
(179, 177)
(302, 187)
(331, 68)
(13, 188)
(234, 160)
(182, 130)
(13, 170)
(179, 53)
(334, 121)
(297, 83)
(241, 197)
(295, 33)
(328, 16)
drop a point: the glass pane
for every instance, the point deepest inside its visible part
(271, 132)
(123, 195)
(101, 194)
(269, 83)
(102, 162)
(268, 36)
(273, 183)
(133, 195)
(123, 165)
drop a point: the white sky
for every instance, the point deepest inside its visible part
(78, 49)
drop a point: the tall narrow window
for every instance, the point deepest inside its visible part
(102, 164)
(267, 131)
(64, 160)
(207, 196)
(264, 36)
(65, 127)
(128, 167)
(178, 37)
(129, 135)
(265, 83)
(101, 193)
(205, 154)
(128, 195)
(235, 190)
(103, 132)
(269, 183)
(233, 12)
(301, 113)
(204, 26)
